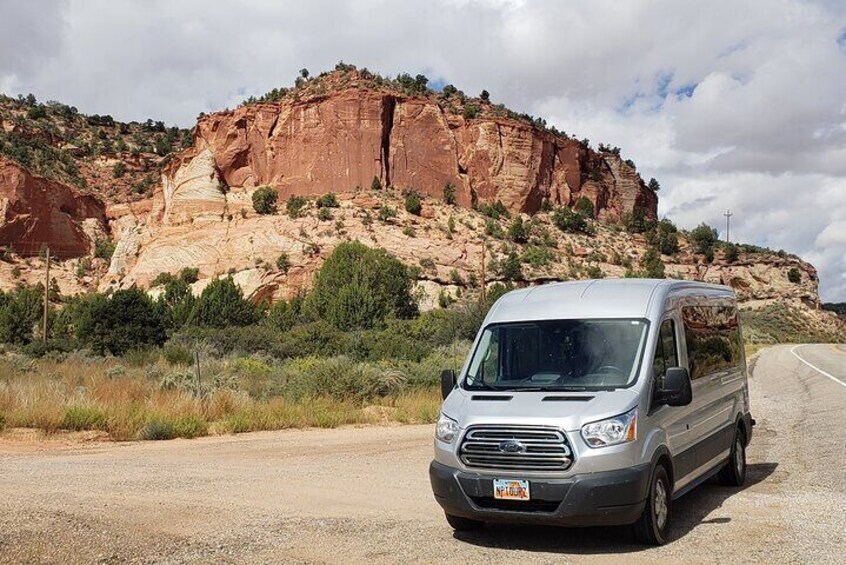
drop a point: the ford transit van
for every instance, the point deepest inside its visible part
(594, 403)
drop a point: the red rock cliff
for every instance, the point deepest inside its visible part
(337, 141)
(35, 211)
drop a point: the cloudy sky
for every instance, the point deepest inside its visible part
(731, 105)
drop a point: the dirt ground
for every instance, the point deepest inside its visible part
(359, 495)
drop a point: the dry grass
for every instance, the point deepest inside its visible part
(149, 402)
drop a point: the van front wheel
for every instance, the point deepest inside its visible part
(653, 524)
(733, 474)
(460, 524)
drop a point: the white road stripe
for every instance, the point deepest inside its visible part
(817, 369)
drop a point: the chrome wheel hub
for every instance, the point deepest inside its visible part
(739, 460)
(660, 504)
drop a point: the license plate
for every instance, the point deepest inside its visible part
(510, 489)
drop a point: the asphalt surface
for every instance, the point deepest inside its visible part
(358, 495)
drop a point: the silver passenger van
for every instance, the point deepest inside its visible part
(594, 403)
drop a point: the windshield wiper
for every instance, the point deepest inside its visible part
(483, 385)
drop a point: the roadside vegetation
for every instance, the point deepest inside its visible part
(354, 350)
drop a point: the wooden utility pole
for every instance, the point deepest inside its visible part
(197, 368)
(484, 288)
(46, 293)
(728, 216)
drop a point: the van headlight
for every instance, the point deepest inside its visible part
(447, 429)
(613, 431)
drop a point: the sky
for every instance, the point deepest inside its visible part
(731, 105)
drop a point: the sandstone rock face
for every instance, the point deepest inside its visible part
(342, 140)
(193, 191)
(35, 211)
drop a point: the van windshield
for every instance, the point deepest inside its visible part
(557, 355)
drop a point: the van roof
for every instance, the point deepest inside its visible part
(603, 298)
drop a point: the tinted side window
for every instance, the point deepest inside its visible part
(666, 355)
(712, 334)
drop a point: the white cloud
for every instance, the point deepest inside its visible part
(730, 105)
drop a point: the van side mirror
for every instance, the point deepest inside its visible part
(447, 382)
(677, 390)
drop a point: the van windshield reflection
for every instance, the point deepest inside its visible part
(558, 355)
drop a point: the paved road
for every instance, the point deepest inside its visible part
(362, 495)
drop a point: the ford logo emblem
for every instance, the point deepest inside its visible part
(512, 446)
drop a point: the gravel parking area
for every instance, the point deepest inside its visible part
(358, 495)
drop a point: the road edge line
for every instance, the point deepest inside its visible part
(817, 369)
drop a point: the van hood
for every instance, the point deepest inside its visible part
(565, 410)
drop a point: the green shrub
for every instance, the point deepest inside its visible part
(654, 185)
(594, 272)
(118, 170)
(328, 200)
(222, 304)
(20, 312)
(636, 221)
(471, 111)
(703, 238)
(665, 237)
(162, 279)
(444, 299)
(386, 213)
(189, 275)
(493, 229)
(157, 428)
(585, 207)
(413, 203)
(495, 210)
(449, 194)
(569, 221)
(177, 302)
(283, 315)
(177, 355)
(83, 417)
(360, 287)
(794, 276)
(2, 421)
(518, 231)
(340, 378)
(104, 249)
(455, 277)
(127, 320)
(37, 112)
(55, 346)
(511, 268)
(283, 263)
(264, 200)
(190, 426)
(537, 256)
(730, 253)
(375, 184)
(653, 266)
(324, 214)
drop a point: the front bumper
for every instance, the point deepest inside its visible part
(607, 498)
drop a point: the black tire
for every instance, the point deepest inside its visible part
(653, 525)
(460, 524)
(733, 473)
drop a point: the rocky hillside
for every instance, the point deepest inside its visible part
(350, 129)
(443, 181)
(98, 155)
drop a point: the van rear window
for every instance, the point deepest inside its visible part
(713, 339)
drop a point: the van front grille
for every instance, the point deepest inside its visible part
(519, 448)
